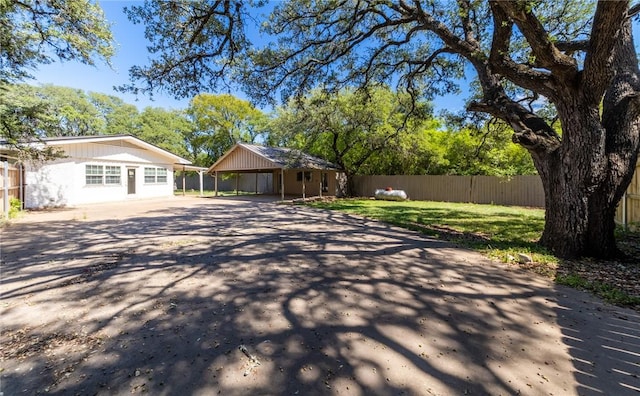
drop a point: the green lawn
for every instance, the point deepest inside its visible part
(498, 231)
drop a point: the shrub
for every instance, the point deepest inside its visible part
(15, 206)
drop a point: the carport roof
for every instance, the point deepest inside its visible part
(243, 157)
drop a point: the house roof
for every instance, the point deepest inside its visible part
(127, 139)
(244, 157)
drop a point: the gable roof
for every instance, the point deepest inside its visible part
(129, 140)
(246, 157)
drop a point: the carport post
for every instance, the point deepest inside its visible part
(201, 184)
(237, 183)
(215, 184)
(256, 183)
(282, 184)
(184, 180)
(303, 185)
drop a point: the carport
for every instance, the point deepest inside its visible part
(293, 172)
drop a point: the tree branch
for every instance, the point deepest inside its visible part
(522, 75)
(502, 31)
(572, 46)
(467, 49)
(465, 11)
(530, 131)
(598, 70)
(546, 53)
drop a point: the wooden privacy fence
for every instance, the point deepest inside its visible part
(513, 191)
(11, 180)
(628, 213)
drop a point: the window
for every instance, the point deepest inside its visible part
(161, 175)
(149, 175)
(155, 175)
(112, 175)
(93, 174)
(307, 176)
(97, 175)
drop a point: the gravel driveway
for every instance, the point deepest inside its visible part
(245, 297)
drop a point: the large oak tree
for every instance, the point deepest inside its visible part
(578, 56)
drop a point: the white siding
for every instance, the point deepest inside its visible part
(50, 185)
(112, 152)
(63, 182)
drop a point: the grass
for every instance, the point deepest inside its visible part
(499, 232)
(603, 290)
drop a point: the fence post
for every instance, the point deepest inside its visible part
(624, 211)
(5, 192)
(21, 179)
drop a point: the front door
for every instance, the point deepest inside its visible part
(131, 181)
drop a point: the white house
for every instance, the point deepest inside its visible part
(101, 169)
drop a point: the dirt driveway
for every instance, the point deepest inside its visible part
(240, 297)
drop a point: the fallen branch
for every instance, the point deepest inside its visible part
(252, 359)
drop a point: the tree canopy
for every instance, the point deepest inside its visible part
(73, 109)
(51, 111)
(39, 32)
(359, 131)
(375, 133)
(219, 122)
(23, 115)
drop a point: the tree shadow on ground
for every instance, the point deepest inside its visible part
(257, 298)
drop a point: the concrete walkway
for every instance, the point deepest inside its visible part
(242, 297)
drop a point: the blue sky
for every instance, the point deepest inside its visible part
(131, 50)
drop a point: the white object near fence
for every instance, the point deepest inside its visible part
(390, 195)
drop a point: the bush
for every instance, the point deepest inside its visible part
(15, 206)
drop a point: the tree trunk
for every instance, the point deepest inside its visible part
(569, 178)
(579, 218)
(350, 184)
(578, 222)
(586, 177)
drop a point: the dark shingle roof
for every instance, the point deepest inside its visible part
(290, 158)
